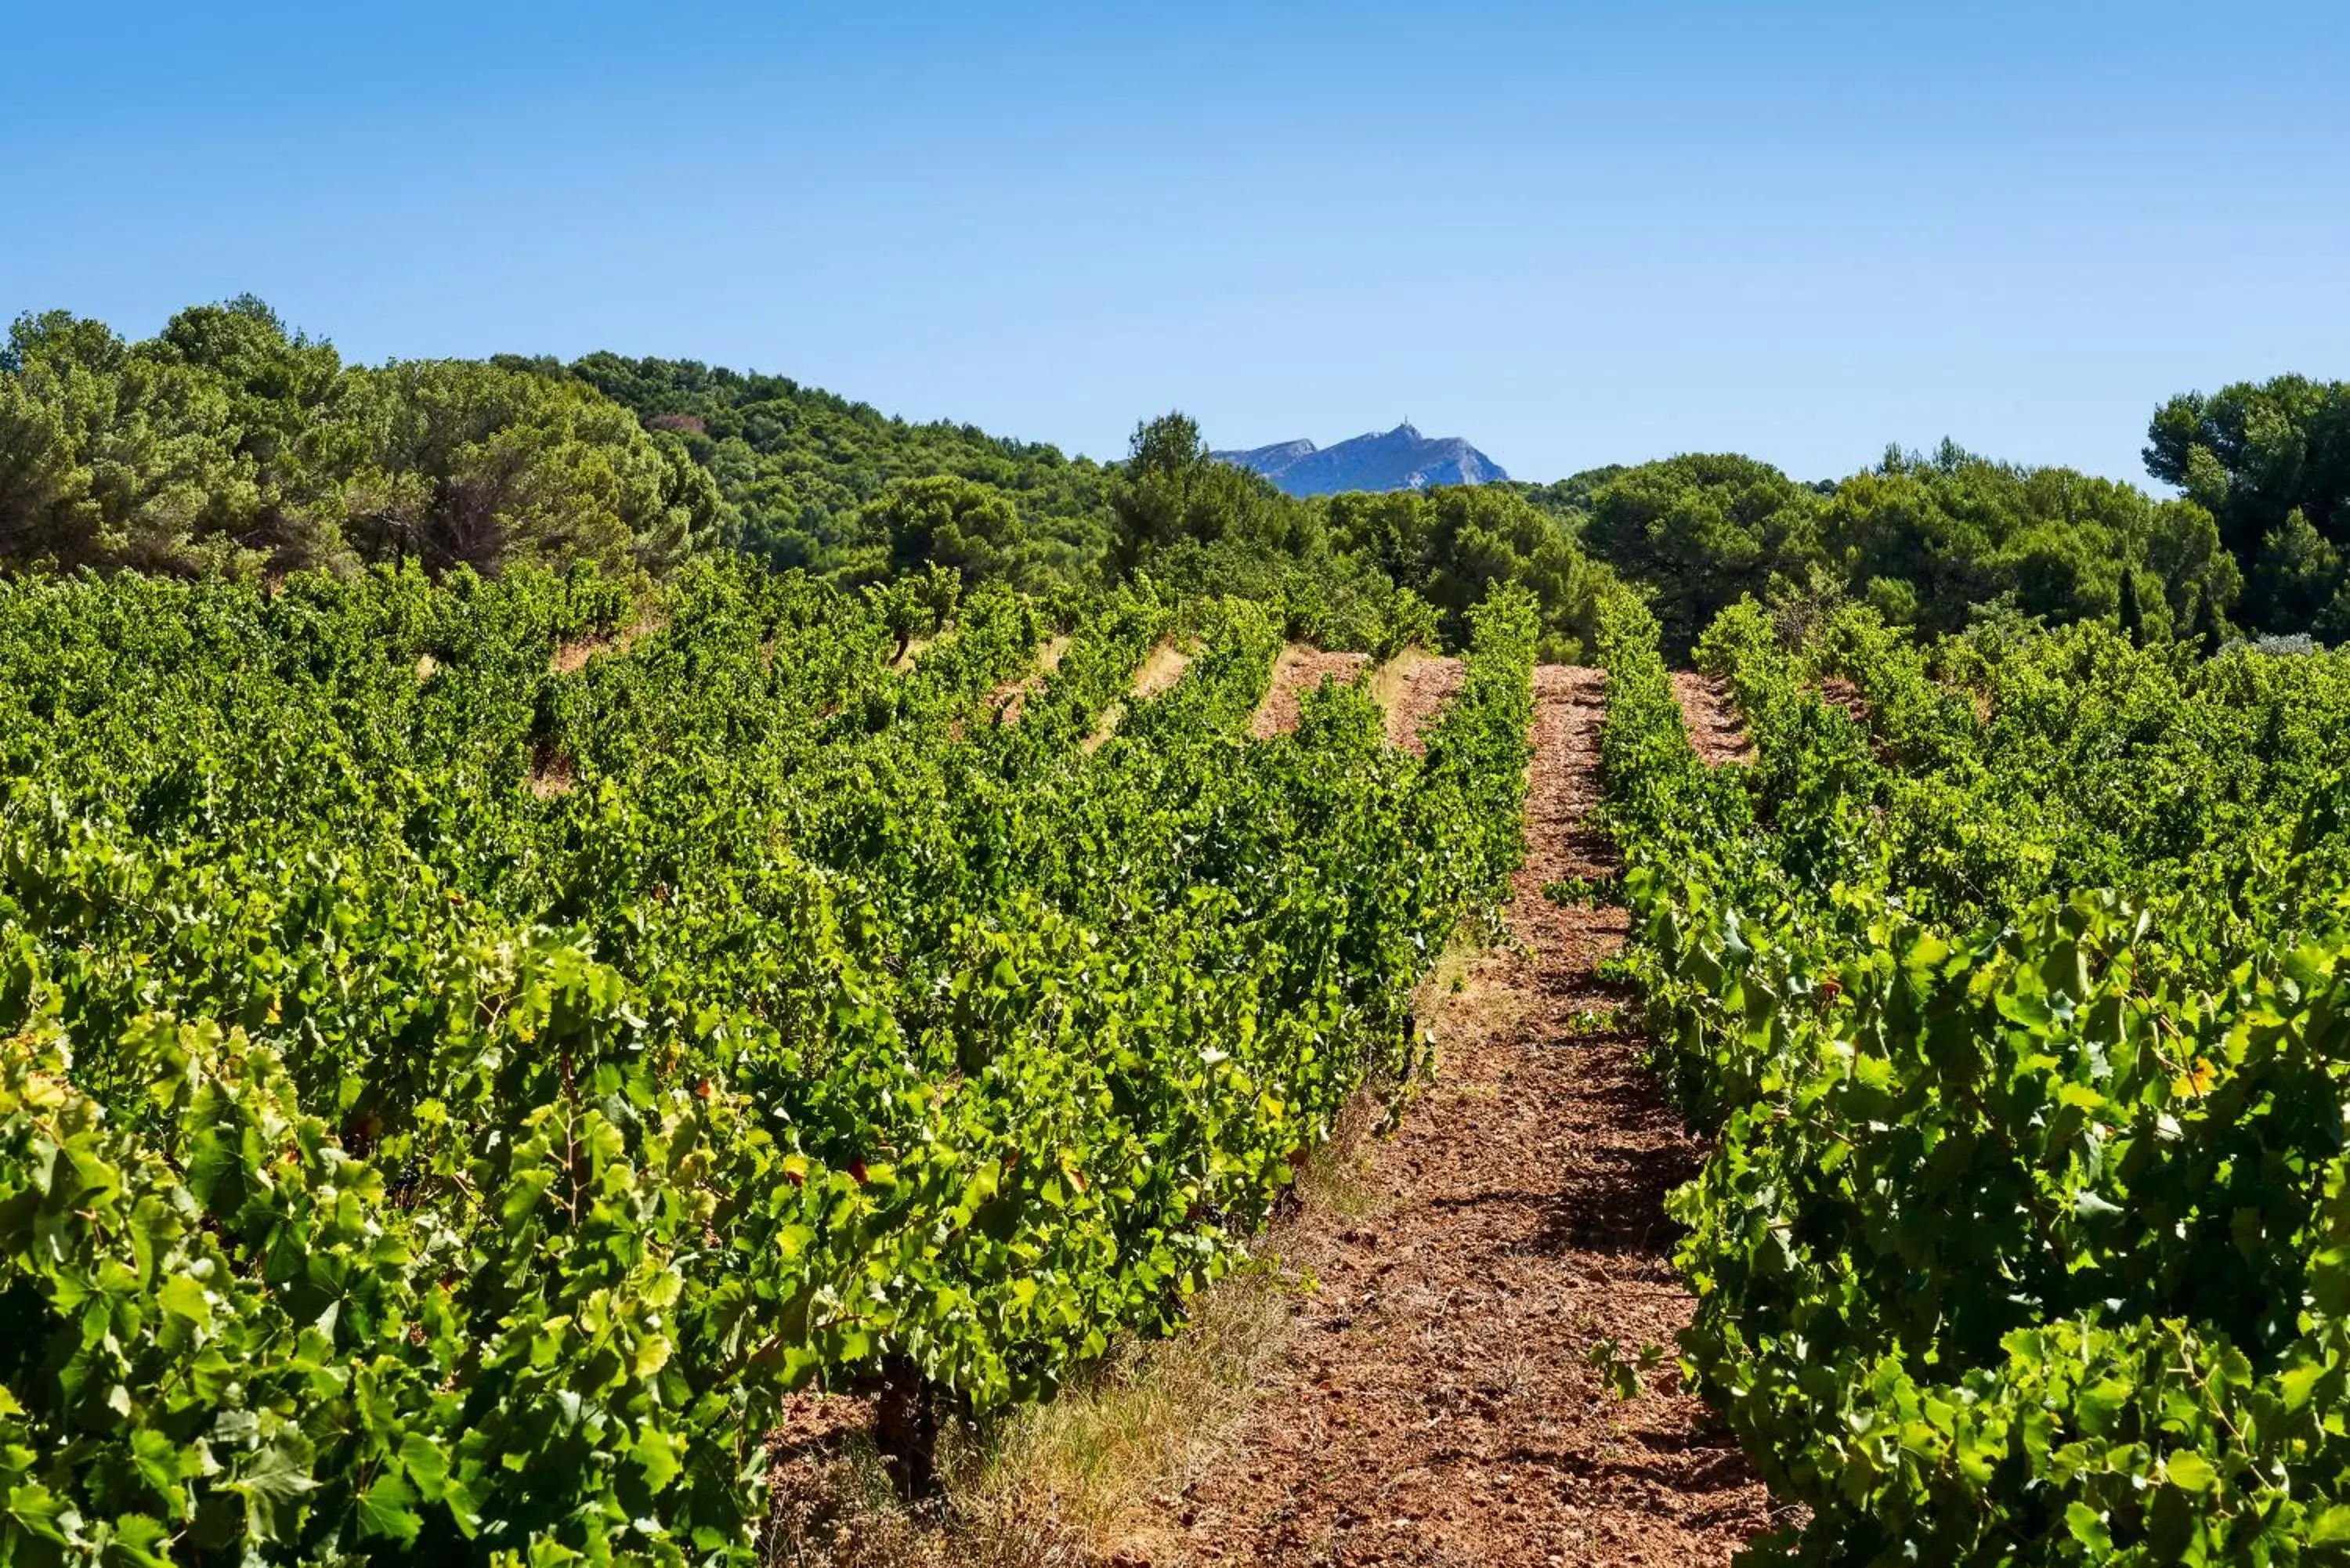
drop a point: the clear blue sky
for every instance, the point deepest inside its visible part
(1574, 233)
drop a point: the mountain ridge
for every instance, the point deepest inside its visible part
(1399, 459)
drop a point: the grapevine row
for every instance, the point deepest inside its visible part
(472, 1050)
(2026, 1233)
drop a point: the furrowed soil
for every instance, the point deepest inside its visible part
(1411, 1383)
(1414, 687)
(1160, 669)
(1011, 698)
(1714, 726)
(1432, 1403)
(1299, 670)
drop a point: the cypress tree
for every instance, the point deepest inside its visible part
(2133, 618)
(2203, 625)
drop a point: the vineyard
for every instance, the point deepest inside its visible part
(475, 1049)
(2009, 980)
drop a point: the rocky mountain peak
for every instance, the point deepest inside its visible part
(1399, 459)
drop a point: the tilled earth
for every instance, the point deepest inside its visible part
(1299, 671)
(1714, 726)
(1421, 687)
(1434, 1404)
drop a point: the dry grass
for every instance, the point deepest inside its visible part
(1160, 671)
(1391, 687)
(1448, 976)
(1466, 998)
(570, 657)
(1069, 1481)
(1104, 728)
(1011, 700)
(1389, 679)
(1337, 1180)
(1055, 1485)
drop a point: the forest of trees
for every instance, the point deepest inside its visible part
(228, 444)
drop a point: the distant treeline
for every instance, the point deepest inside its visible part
(227, 444)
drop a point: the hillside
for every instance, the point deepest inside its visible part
(798, 465)
(1399, 459)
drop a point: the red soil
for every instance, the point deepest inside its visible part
(1300, 670)
(1434, 1404)
(1714, 726)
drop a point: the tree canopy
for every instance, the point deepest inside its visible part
(1930, 540)
(798, 467)
(230, 444)
(227, 444)
(2271, 462)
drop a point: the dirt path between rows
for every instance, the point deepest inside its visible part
(1712, 715)
(1299, 670)
(1010, 698)
(1433, 1404)
(1414, 687)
